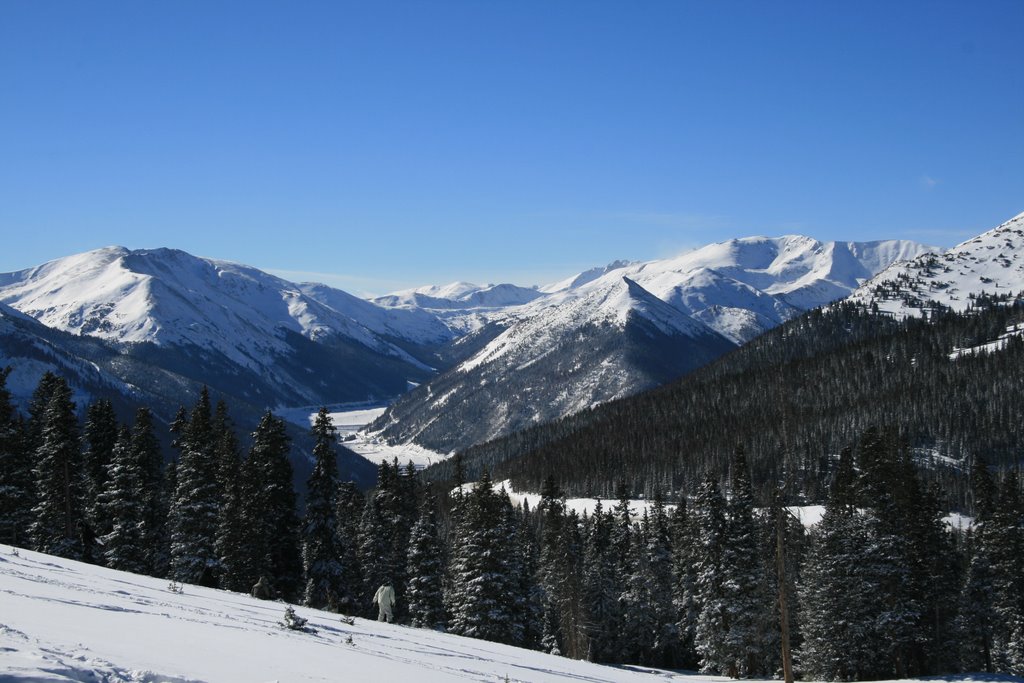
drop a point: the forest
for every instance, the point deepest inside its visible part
(793, 398)
(880, 588)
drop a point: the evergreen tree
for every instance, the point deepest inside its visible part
(711, 633)
(664, 642)
(59, 512)
(1004, 542)
(425, 570)
(146, 448)
(195, 510)
(17, 482)
(746, 604)
(553, 570)
(324, 573)
(600, 590)
(123, 504)
(482, 581)
(269, 510)
(837, 617)
(99, 436)
(684, 586)
(349, 514)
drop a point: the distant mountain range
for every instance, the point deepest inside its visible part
(617, 330)
(153, 324)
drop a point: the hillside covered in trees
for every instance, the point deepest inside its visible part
(793, 398)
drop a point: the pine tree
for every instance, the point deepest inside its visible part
(665, 638)
(747, 607)
(601, 590)
(195, 510)
(1003, 537)
(837, 617)
(426, 570)
(17, 482)
(553, 570)
(482, 581)
(324, 572)
(122, 502)
(99, 436)
(269, 509)
(349, 514)
(146, 448)
(684, 586)
(59, 512)
(712, 620)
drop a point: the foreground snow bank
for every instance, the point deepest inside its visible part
(67, 621)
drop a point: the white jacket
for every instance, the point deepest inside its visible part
(385, 597)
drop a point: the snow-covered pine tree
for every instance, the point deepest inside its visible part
(59, 514)
(122, 502)
(710, 635)
(269, 511)
(349, 514)
(17, 483)
(324, 572)
(384, 533)
(425, 594)
(146, 448)
(976, 620)
(553, 570)
(233, 536)
(638, 629)
(1003, 538)
(665, 640)
(747, 605)
(600, 590)
(684, 586)
(99, 436)
(837, 618)
(195, 509)
(481, 579)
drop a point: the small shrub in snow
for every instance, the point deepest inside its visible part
(294, 622)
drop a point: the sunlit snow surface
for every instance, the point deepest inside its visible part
(67, 621)
(350, 420)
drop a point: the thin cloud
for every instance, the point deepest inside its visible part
(928, 183)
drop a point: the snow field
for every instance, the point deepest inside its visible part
(67, 621)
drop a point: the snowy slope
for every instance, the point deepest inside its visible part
(409, 323)
(66, 621)
(463, 306)
(992, 262)
(169, 297)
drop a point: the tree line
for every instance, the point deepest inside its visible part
(880, 588)
(793, 396)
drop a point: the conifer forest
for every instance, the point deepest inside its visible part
(717, 574)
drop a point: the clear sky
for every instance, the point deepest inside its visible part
(376, 145)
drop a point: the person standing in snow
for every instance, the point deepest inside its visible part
(384, 598)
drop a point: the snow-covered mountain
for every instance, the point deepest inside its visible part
(247, 333)
(991, 263)
(463, 306)
(622, 328)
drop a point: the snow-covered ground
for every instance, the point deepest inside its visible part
(349, 420)
(67, 621)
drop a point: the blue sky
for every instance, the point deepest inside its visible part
(378, 145)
